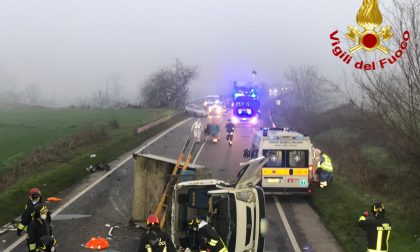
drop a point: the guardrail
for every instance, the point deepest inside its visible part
(152, 124)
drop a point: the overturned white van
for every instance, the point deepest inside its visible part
(237, 211)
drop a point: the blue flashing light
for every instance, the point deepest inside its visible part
(238, 95)
(253, 95)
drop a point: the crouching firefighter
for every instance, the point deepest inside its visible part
(377, 228)
(155, 239)
(324, 168)
(40, 232)
(210, 240)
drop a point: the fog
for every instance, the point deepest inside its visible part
(70, 48)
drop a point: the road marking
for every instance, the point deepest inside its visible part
(60, 209)
(287, 226)
(199, 151)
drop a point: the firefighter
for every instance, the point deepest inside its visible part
(210, 240)
(324, 168)
(197, 128)
(35, 198)
(377, 228)
(230, 128)
(155, 239)
(40, 229)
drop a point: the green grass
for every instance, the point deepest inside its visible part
(25, 128)
(342, 203)
(54, 177)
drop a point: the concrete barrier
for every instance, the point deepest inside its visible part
(151, 175)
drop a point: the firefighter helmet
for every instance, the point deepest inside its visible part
(152, 220)
(34, 194)
(378, 208)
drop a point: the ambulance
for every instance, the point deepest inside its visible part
(291, 166)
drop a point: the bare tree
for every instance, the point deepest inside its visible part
(168, 87)
(308, 87)
(392, 96)
(32, 93)
(101, 99)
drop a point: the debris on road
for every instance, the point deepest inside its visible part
(53, 199)
(111, 228)
(8, 227)
(96, 243)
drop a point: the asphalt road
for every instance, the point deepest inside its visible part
(110, 200)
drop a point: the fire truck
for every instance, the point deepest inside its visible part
(291, 166)
(245, 105)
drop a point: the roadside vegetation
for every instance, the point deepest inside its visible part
(365, 169)
(373, 138)
(50, 148)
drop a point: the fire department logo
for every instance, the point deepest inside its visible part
(369, 17)
(369, 37)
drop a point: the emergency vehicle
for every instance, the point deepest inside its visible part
(290, 167)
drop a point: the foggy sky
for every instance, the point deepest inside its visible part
(70, 47)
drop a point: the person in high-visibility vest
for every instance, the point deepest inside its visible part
(324, 168)
(156, 240)
(197, 128)
(210, 240)
(377, 228)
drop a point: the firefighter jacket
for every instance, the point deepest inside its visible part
(230, 127)
(37, 229)
(210, 239)
(325, 163)
(378, 231)
(28, 215)
(156, 240)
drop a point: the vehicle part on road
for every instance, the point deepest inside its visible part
(96, 243)
(112, 229)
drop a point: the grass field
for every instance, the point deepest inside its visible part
(56, 175)
(24, 128)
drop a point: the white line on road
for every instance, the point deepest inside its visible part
(287, 226)
(199, 151)
(60, 209)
